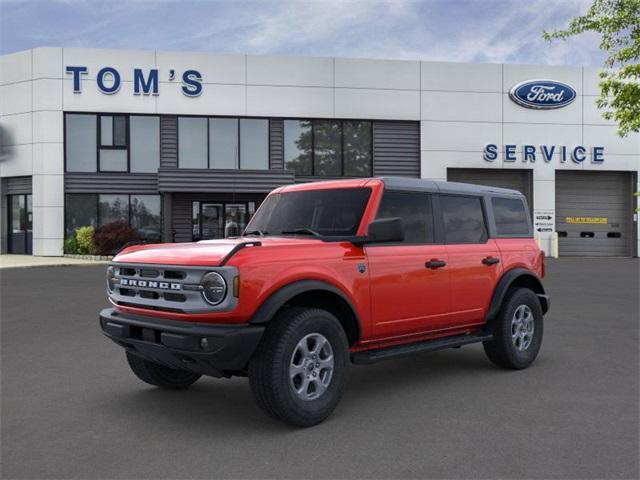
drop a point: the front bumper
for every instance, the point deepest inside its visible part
(180, 345)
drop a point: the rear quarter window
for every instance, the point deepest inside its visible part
(463, 219)
(510, 216)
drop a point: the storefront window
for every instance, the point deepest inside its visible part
(328, 148)
(192, 142)
(144, 144)
(112, 208)
(327, 141)
(80, 211)
(223, 142)
(297, 146)
(141, 212)
(80, 142)
(357, 149)
(145, 216)
(254, 144)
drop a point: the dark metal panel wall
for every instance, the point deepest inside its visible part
(18, 185)
(396, 149)
(110, 183)
(276, 144)
(232, 181)
(168, 141)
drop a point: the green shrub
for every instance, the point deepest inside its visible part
(71, 245)
(84, 237)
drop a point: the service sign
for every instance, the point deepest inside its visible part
(544, 221)
(542, 94)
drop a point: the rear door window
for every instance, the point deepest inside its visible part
(415, 211)
(510, 216)
(463, 219)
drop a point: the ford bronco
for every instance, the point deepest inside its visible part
(332, 273)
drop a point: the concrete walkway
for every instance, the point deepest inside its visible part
(25, 261)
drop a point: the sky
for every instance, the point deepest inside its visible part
(486, 31)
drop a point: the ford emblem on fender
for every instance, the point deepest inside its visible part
(542, 94)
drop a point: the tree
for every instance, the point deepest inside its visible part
(618, 23)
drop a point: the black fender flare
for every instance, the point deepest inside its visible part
(508, 278)
(280, 297)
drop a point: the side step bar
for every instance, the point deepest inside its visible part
(374, 356)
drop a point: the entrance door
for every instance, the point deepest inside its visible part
(212, 217)
(20, 224)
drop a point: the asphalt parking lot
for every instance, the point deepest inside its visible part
(71, 408)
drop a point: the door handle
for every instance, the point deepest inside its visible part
(490, 260)
(433, 264)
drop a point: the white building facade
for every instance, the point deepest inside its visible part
(184, 146)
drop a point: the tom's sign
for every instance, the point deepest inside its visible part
(542, 94)
(108, 80)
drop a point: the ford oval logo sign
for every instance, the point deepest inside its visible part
(542, 94)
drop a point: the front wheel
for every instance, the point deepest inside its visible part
(298, 372)
(517, 330)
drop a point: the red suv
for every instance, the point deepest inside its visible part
(332, 273)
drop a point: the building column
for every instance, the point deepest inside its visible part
(544, 205)
(4, 216)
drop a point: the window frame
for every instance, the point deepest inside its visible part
(101, 147)
(98, 116)
(485, 217)
(341, 121)
(438, 233)
(233, 117)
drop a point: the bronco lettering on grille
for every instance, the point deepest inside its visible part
(129, 282)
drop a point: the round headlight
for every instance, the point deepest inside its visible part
(111, 273)
(214, 288)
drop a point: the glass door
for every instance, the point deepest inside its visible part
(20, 224)
(211, 221)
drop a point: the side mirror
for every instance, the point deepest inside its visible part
(383, 230)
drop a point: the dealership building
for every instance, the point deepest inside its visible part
(185, 146)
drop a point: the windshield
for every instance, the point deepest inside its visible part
(330, 212)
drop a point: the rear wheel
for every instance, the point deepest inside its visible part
(517, 330)
(298, 372)
(159, 375)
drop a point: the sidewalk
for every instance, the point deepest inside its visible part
(25, 261)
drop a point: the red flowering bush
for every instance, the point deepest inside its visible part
(112, 236)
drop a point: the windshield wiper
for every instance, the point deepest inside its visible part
(302, 231)
(255, 232)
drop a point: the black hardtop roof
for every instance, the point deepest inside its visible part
(439, 186)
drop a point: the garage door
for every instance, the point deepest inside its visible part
(520, 179)
(594, 213)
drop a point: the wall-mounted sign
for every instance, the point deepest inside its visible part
(542, 94)
(108, 80)
(587, 220)
(544, 220)
(533, 153)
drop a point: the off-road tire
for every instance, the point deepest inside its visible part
(269, 367)
(159, 375)
(501, 349)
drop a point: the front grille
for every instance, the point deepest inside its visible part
(167, 288)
